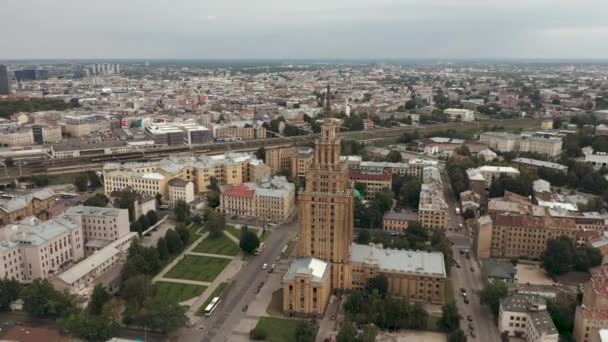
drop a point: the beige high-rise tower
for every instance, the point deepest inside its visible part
(326, 205)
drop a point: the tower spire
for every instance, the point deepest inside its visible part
(327, 110)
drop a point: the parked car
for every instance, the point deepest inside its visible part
(470, 318)
(265, 266)
(245, 307)
(466, 300)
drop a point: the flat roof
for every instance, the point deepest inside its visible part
(94, 211)
(318, 268)
(399, 261)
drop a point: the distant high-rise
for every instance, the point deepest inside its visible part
(5, 81)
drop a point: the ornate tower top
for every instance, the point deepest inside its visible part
(327, 109)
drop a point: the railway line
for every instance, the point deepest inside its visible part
(95, 162)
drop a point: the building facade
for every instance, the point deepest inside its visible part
(592, 315)
(17, 206)
(526, 316)
(306, 287)
(433, 208)
(180, 190)
(100, 226)
(374, 183)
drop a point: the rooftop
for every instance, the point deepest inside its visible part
(400, 261)
(317, 268)
(94, 211)
(535, 306)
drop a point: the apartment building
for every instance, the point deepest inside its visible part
(279, 159)
(412, 167)
(526, 316)
(396, 221)
(100, 226)
(27, 135)
(456, 114)
(487, 174)
(414, 275)
(242, 133)
(152, 178)
(433, 208)
(16, 137)
(103, 267)
(533, 165)
(271, 199)
(180, 190)
(179, 133)
(374, 183)
(306, 287)
(301, 162)
(592, 315)
(78, 126)
(15, 206)
(507, 142)
(32, 249)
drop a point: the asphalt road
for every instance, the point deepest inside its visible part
(219, 326)
(468, 277)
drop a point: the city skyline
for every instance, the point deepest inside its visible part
(361, 29)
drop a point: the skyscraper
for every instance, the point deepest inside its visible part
(5, 81)
(326, 205)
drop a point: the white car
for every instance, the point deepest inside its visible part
(265, 266)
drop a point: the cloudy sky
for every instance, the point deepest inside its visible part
(304, 29)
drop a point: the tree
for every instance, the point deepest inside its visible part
(384, 200)
(463, 150)
(364, 237)
(182, 211)
(163, 250)
(143, 220)
(98, 299)
(160, 313)
(89, 328)
(558, 257)
(261, 153)
(306, 331)
(561, 309)
(249, 241)
(136, 227)
(184, 234)
(492, 293)
(378, 283)
(159, 200)
(394, 157)
(81, 182)
(126, 200)
(136, 289)
(214, 184)
(9, 162)
(98, 200)
(468, 214)
(174, 243)
(347, 333)
(152, 217)
(215, 223)
(419, 317)
(409, 194)
(368, 334)
(213, 199)
(41, 300)
(586, 258)
(361, 187)
(9, 291)
(257, 334)
(457, 336)
(450, 318)
(40, 180)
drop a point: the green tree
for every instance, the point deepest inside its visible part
(347, 333)
(215, 223)
(136, 289)
(261, 153)
(163, 250)
(136, 227)
(94, 180)
(457, 336)
(384, 200)
(561, 309)
(98, 299)
(98, 200)
(126, 200)
(492, 293)
(41, 300)
(174, 243)
(81, 182)
(468, 214)
(184, 234)
(394, 157)
(213, 199)
(214, 184)
(378, 283)
(9, 162)
(361, 187)
(368, 334)
(89, 328)
(182, 211)
(152, 217)
(558, 257)
(450, 318)
(160, 313)
(249, 241)
(9, 291)
(306, 331)
(419, 317)
(40, 180)
(463, 150)
(364, 237)
(143, 220)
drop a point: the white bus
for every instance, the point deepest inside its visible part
(211, 306)
(259, 249)
(457, 211)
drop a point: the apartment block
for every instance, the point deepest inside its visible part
(592, 315)
(507, 142)
(180, 190)
(374, 183)
(433, 208)
(396, 221)
(526, 316)
(271, 199)
(15, 206)
(455, 114)
(533, 165)
(100, 226)
(487, 174)
(279, 159)
(32, 249)
(241, 133)
(83, 125)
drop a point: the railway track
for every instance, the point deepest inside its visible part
(87, 163)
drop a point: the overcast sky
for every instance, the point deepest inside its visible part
(304, 29)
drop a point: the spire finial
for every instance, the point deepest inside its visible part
(327, 113)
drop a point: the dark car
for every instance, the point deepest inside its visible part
(471, 326)
(463, 290)
(470, 318)
(245, 307)
(466, 300)
(472, 269)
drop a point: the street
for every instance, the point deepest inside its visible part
(220, 325)
(483, 320)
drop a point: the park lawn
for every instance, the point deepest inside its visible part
(198, 268)
(431, 323)
(193, 230)
(221, 245)
(178, 292)
(234, 231)
(265, 235)
(278, 329)
(216, 293)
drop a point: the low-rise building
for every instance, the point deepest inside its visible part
(397, 221)
(374, 183)
(488, 174)
(100, 226)
(180, 190)
(32, 249)
(498, 270)
(241, 133)
(271, 199)
(526, 316)
(306, 287)
(507, 142)
(533, 165)
(15, 206)
(455, 114)
(78, 126)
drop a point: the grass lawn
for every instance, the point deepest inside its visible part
(178, 292)
(431, 323)
(264, 235)
(278, 329)
(200, 268)
(216, 293)
(193, 229)
(221, 245)
(234, 231)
